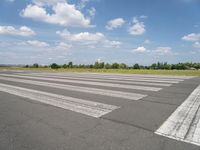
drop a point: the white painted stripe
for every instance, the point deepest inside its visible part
(86, 107)
(139, 75)
(125, 78)
(111, 93)
(145, 88)
(117, 76)
(184, 123)
(101, 80)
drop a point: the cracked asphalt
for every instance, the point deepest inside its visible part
(31, 125)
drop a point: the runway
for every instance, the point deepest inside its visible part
(96, 111)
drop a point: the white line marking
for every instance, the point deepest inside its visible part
(116, 76)
(121, 78)
(184, 123)
(131, 75)
(86, 107)
(126, 95)
(145, 88)
(102, 80)
(145, 75)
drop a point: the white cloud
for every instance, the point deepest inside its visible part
(91, 46)
(115, 23)
(196, 45)
(147, 41)
(47, 2)
(64, 14)
(137, 27)
(36, 43)
(82, 36)
(63, 46)
(193, 37)
(140, 49)
(22, 31)
(157, 51)
(163, 50)
(143, 17)
(10, 1)
(82, 4)
(112, 44)
(92, 12)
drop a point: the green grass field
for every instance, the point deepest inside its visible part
(124, 71)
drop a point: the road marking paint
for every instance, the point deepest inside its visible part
(155, 80)
(184, 123)
(86, 107)
(102, 80)
(135, 87)
(139, 75)
(111, 93)
(117, 76)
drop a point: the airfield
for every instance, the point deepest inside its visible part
(98, 111)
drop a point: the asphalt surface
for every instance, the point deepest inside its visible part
(27, 123)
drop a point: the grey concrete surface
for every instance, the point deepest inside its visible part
(30, 125)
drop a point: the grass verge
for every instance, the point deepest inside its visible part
(124, 71)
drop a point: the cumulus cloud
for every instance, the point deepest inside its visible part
(64, 14)
(37, 43)
(82, 4)
(193, 37)
(196, 45)
(47, 2)
(82, 36)
(112, 44)
(163, 50)
(137, 27)
(92, 12)
(115, 23)
(143, 17)
(156, 51)
(140, 49)
(89, 39)
(22, 31)
(147, 41)
(10, 1)
(63, 46)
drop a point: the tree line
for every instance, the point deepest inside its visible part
(102, 65)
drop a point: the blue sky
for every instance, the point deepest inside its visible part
(85, 31)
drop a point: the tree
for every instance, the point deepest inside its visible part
(65, 66)
(107, 66)
(115, 66)
(26, 66)
(136, 66)
(70, 64)
(54, 66)
(153, 66)
(122, 66)
(101, 65)
(35, 65)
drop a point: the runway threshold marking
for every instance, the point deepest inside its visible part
(82, 106)
(184, 123)
(102, 80)
(135, 87)
(129, 75)
(154, 80)
(111, 93)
